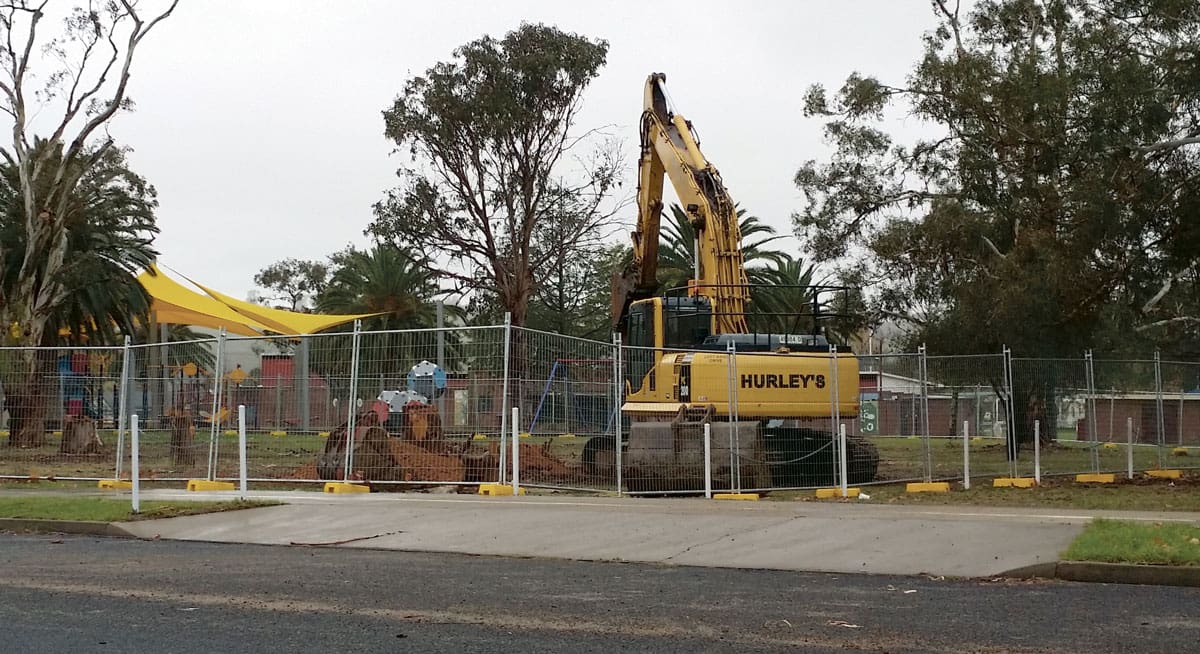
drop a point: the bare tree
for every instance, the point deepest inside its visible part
(86, 77)
(70, 82)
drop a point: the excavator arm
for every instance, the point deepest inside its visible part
(669, 148)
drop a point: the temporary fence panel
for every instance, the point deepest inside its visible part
(564, 388)
(966, 390)
(58, 411)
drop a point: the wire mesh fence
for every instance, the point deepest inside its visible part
(59, 411)
(419, 408)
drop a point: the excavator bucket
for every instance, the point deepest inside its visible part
(668, 455)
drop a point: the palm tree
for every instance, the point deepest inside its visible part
(676, 253)
(386, 280)
(782, 295)
(393, 282)
(109, 226)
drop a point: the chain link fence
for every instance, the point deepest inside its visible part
(434, 407)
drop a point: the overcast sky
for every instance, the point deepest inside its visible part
(259, 122)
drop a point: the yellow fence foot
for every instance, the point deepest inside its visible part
(343, 487)
(1096, 478)
(828, 493)
(747, 497)
(115, 484)
(497, 490)
(1014, 482)
(1165, 474)
(928, 487)
(195, 485)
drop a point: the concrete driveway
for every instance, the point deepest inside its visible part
(827, 537)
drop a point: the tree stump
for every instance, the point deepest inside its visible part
(183, 441)
(79, 436)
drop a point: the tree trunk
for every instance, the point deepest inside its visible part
(79, 436)
(183, 439)
(28, 400)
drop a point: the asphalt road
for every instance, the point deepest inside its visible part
(67, 594)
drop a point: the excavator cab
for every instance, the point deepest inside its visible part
(663, 324)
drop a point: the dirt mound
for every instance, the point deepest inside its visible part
(419, 464)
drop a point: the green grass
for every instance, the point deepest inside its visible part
(903, 458)
(1159, 495)
(110, 510)
(1139, 495)
(1116, 541)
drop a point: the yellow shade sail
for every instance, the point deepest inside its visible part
(174, 303)
(177, 304)
(284, 322)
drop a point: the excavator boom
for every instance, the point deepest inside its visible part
(669, 148)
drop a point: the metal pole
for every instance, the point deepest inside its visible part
(302, 368)
(835, 409)
(242, 450)
(924, 362)
(619, 388)
(1129, 447)
(278, 402)
(516, 450)
(352, 402)
(441, 354)
(708, 460)
(1161, 439)
(967, 455)
(1112, 413)
(214, 420)
(1037, 451)
(135, 477)
(1010, 428)
(730, 353)
(1179, 422)
(1090, 369)
(842, 456)
(504, 395)
(123, 404)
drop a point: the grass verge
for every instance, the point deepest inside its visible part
(1138, 495)
(110, 510)
(1118, 541)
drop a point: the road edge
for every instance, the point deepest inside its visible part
(1111, 573)
(76, 527)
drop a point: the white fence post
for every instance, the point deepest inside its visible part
(504, 395)
(242, 449)
(926, 446)
(516, 450)
(1037, 452)
(214, 430)
(619, 394)
(842, 457)
(352, 402)
(134, 476)
(966, 455)
(835, 408)
(123, 405)
(1129, 446)
(708, 460)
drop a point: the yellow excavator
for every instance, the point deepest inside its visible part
(691, 359)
